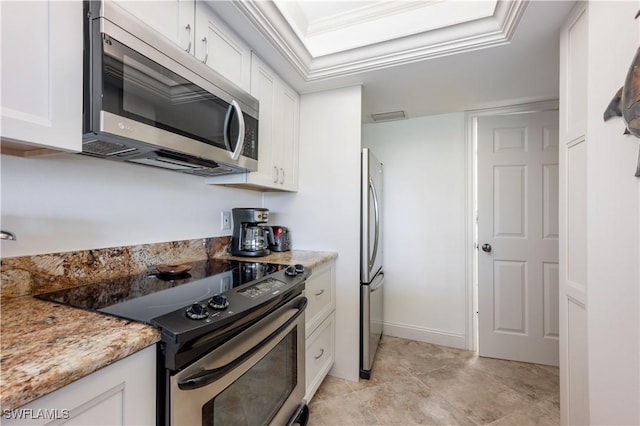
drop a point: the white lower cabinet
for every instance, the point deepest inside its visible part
(320, 326)
(123, 393)
(320, 355)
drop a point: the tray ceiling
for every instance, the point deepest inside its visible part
(325, 39)
(416, 57)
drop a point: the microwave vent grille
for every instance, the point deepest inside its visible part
(211, 172)
(105, 148)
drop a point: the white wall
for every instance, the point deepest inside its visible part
(73, 202)
(613, 228)
(424, 226)
(325, 213)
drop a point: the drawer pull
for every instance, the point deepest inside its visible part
(320, 355)
(321, 291)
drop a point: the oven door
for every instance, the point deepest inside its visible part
(256, 378)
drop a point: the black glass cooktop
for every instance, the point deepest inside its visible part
(143, 297)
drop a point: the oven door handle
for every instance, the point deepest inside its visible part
(209, 376)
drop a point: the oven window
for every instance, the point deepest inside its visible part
(256, 397)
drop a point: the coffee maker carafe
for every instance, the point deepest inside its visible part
(250, 235)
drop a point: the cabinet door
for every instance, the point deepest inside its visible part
(42, 75)
(278, 138)
(123, 393)
(172, 18)
(320, 326)
(286, 136)
(320, 291)
(320, 355)
(574, 190)
(278, 131)
(263, 88)
(216, 45)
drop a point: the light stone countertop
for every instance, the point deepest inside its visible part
(310, 259)
(45, 346)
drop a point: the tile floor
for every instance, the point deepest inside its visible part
(415, 383)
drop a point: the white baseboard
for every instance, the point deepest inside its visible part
(426, 335)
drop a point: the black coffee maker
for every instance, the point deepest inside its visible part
(250, 235)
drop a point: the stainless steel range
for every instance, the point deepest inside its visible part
(232, 345)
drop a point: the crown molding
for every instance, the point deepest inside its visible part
(490, 31)
(363, 14)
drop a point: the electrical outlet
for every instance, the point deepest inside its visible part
(225, 220)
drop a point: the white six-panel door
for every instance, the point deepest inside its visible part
(518, 236)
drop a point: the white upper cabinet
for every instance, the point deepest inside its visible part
(277, 130)
(263, 86)
(278, 134)
(41, 77)
(194, 27)
(285, 136)
(174, 19)
(216, 45)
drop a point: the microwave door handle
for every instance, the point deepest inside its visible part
(209, 376)
(240, 142)
(227, 130)
(227, 124)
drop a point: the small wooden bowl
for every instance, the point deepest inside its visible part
(173, 269)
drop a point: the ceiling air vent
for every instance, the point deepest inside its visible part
(388, 116)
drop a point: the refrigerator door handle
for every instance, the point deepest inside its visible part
(377, 282)
(372, 258)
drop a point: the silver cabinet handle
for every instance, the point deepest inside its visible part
(188, 28)
(206, 50)
(282, 177)
(276, 174)
(320, 355)
(321, 292)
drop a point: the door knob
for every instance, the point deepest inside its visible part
(486, 248)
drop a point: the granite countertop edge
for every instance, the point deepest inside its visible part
(46, 346)
(310, 259)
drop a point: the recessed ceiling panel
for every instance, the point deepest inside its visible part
(326, 27)
(324, 39)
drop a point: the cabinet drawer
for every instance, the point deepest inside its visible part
(320, 354)
(320, 293)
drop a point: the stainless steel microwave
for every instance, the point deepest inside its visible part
(147, 101)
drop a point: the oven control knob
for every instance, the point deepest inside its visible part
(219, 302)
(291, 271)
(299, 269)
(197, 311)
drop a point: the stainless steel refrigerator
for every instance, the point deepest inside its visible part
(371, 271)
